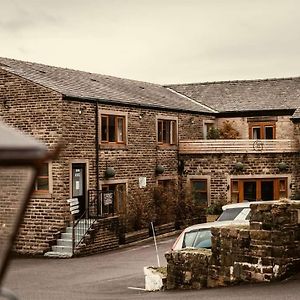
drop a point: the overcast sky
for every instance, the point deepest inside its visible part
(161, 41)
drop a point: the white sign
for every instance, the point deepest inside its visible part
(108, 199)
(142, 182)
(77, 185)
(74, 205)
(74, 209)
(73, 201)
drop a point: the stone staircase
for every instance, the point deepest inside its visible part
(102, 236)
(63, 247)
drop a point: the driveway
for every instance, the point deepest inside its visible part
(119, 275)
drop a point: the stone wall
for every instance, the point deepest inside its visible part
(36, 111)
(138, 158)
(266, 251)
(188, 269)
(103, 236)
(284, 126)
(48, 116)
(220, 169)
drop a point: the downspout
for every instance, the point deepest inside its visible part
(97, 145)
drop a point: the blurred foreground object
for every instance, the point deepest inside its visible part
(21, 158)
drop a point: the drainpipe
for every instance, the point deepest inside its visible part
(97, 145)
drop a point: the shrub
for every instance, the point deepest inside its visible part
(140, 210)
(213, 134)
(227, 131)
(165, 202)
(215, 208)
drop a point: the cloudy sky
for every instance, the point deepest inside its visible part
(161, 41)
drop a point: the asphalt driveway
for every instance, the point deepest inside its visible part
(119, 275)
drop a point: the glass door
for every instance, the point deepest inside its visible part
(267, 190)
(79, 185)
(250, 191)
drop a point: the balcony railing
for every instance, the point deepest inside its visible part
(238, 146)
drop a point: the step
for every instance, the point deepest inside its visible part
(58, 254)
(70, 230)
(64, 242)
(66, 236)
(62, 249)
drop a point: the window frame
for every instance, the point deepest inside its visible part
(278, 192)
(166, 181)
(167, 126)
(201, 177)
(105, 115)
(199, 191)
(262, 129)
(44, 193)
(105, 185)
(207, 125)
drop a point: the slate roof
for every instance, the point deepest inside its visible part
(296, 114)
(247, 95)
(92, 86)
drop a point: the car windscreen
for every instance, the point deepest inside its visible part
(197, 239)
(230, 214)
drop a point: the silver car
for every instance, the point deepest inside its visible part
(199, 236)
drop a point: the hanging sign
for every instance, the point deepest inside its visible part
(108, 198)
(74, 205)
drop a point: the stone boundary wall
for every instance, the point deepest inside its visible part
(268, 250)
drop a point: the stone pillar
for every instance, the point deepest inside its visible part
(187, 269)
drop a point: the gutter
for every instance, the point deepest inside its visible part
(135, 105)
(252, 113)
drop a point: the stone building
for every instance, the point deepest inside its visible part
(129, 136)
(262, 162)
(115, 133)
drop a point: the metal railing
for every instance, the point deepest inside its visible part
(100, 204)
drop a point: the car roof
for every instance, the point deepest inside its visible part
(215, 224)
(245, 204)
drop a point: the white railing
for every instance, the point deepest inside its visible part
(238, 146)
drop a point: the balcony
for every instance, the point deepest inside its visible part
(238, 146)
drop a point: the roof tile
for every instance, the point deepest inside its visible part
(96, 87)
(247, 95)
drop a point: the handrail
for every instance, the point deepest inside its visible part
(80, 228)
(100, 204)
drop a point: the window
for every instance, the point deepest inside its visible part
(262, 130)
(113, 129)
(42, 181)
(199, 190)
(197, 239)
(119, 190)
(166, 183)
(206, 128)
(258, 189)
(230, 214)
(167, 132)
